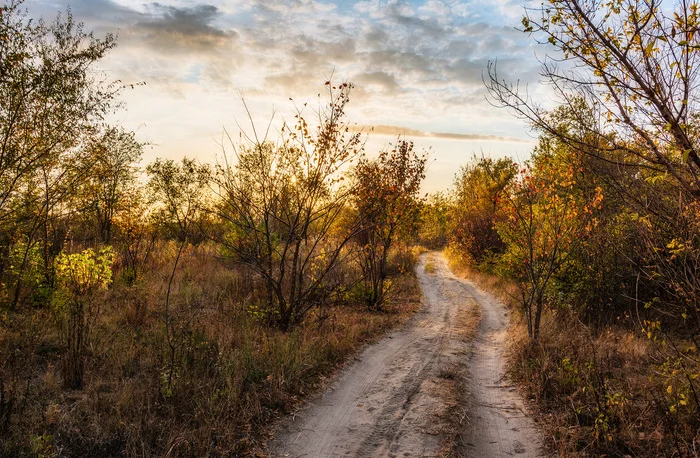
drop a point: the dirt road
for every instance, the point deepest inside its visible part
(403, 394)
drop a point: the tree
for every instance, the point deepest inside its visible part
(636, 64)
(386, 201)
(49, 99)
(179, 191)
(599, 280)
(434, 217)
(479, 187)
(113, 156)
(138, 230)
(635, 69)
(547, 217)
(50, 102)
(79, 276)
(280, 203)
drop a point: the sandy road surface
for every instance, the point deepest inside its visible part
(392, 402)
(499, 426)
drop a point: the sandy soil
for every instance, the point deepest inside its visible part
(392, 400)
(499, 426)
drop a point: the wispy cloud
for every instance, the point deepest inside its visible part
(397, 131)
(398, 50)
(418, 63)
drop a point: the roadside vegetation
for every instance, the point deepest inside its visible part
(596, 238)
(178, 309)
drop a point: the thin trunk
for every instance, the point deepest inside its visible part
(168, 333)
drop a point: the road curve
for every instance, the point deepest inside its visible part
(499, 426)
(389, 402)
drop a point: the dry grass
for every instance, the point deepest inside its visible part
(611, 391)
(233, 375)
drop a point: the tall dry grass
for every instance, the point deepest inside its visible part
(611, 390)
(233, 375)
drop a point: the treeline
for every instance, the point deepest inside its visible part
(598, 234)
(177, 308)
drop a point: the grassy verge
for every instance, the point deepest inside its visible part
(611, 391)
(231, 378)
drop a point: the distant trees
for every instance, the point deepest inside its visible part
(527, 225)
(387, 204)
(479, 189)
(104, 193)
(434, 220)
(137, 233)
(179, 193)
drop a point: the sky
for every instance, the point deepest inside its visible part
(417, 67)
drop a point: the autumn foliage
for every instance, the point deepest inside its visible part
(546, 221)
(387, 205)
(599, 228)
(177, 309)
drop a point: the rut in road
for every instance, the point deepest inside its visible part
(392, 401)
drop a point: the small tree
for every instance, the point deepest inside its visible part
(79, 275)
(547, 217)
(479, 187)
(179, 191)
(281, 203)
(386, 201)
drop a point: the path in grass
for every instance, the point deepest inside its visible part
(405, 395)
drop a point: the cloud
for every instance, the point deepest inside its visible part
(404, 131)
(396, 51)
(382, 79)
(100, 16)
(417, 62)
(182, 29)
(435, 8)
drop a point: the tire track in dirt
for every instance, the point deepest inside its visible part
(499, 426)
(391, 401)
